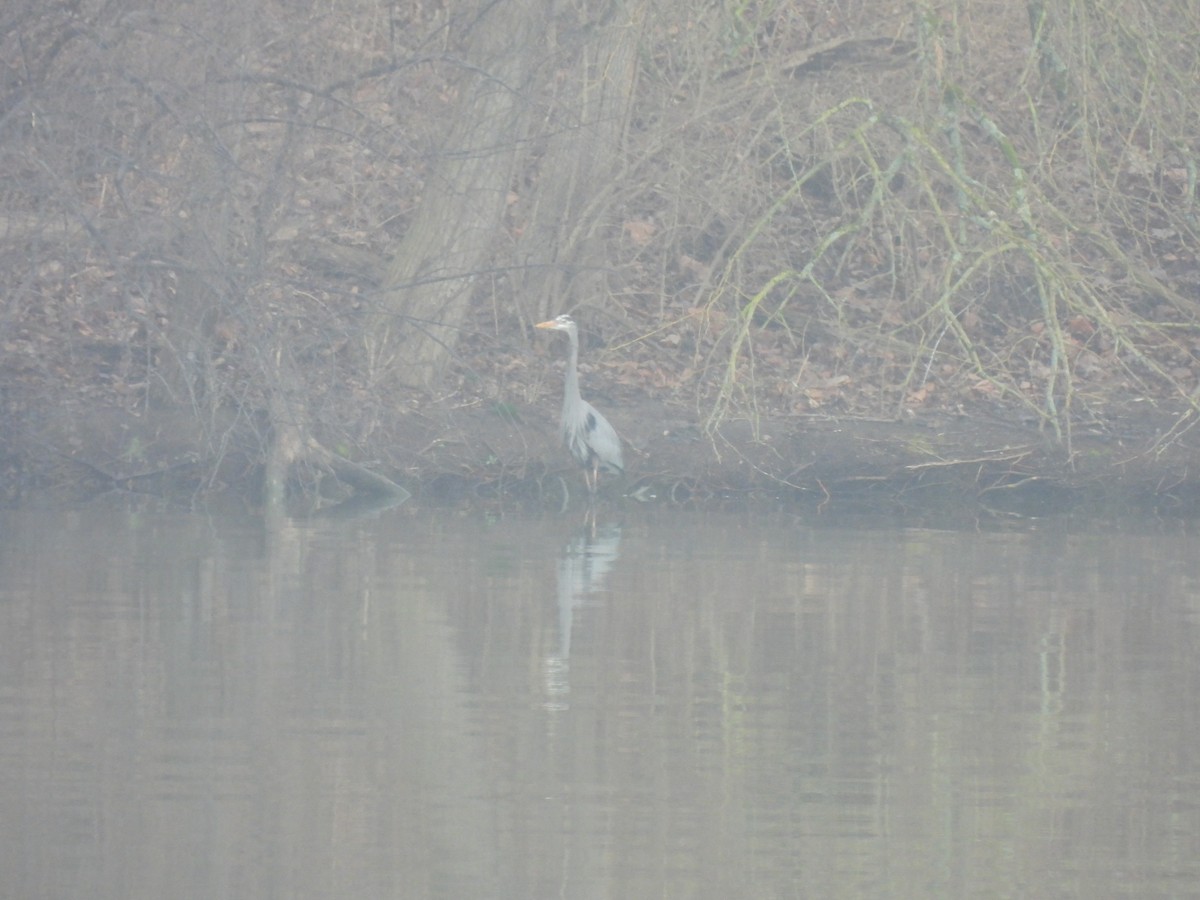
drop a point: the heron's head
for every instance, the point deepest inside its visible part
(562, 323)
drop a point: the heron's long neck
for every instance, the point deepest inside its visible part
(571, 397)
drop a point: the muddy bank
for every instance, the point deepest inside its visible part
(1143, 457)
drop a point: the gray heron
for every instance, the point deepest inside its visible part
(592, 441)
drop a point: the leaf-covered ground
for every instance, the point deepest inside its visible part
(884, 255)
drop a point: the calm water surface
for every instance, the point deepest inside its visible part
(671, 705)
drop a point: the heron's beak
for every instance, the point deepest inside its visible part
(550, 324)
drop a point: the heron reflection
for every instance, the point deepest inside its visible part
(582, 570)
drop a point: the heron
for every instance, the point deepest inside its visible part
(586, 433)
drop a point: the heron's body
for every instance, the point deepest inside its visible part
(585, 432)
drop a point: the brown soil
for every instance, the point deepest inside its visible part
(1145, 457)
(846, 215)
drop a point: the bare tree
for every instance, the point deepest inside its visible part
(569, 215)
(514, 123)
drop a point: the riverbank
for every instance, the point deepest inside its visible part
(1143, 457)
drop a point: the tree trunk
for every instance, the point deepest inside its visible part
(560, 253)
(570, 77)
(428, 285)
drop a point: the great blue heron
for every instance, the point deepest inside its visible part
(586, 433)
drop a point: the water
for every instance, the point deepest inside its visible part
(674, 705)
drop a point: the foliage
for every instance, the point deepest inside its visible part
(864, 208)
(978, 213)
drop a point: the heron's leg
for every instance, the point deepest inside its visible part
(593, 482)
